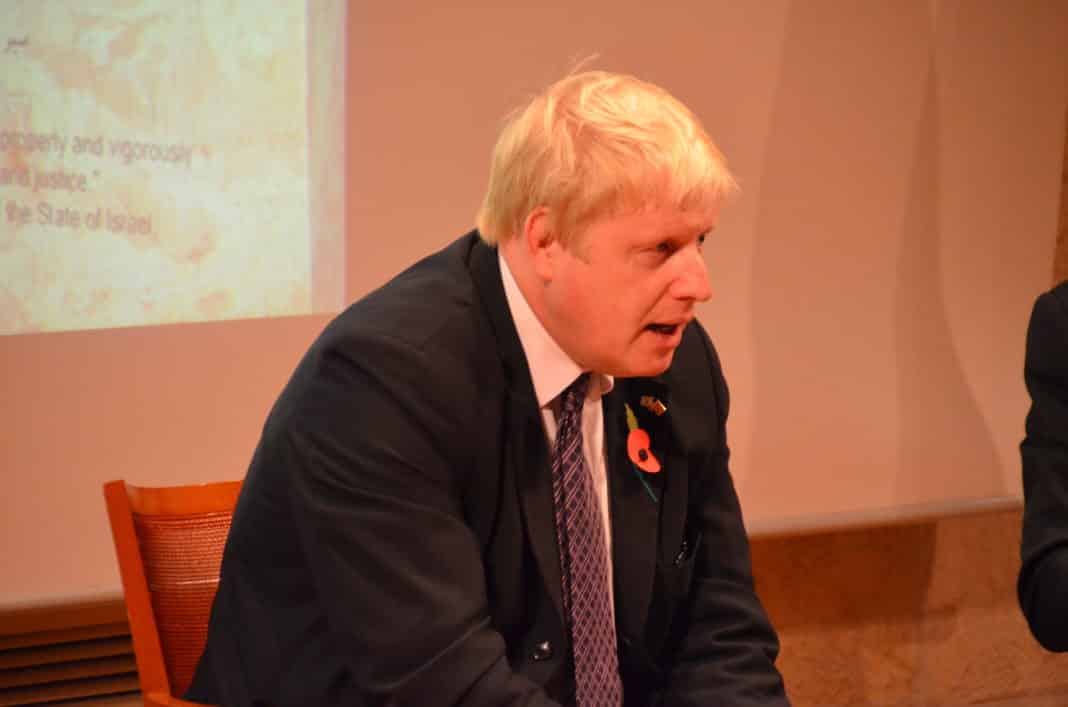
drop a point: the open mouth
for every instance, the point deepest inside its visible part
(665, 329)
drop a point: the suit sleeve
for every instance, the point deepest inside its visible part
(376, 497)
(1043, 581)
(727, 649)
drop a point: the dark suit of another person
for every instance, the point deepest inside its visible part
(394, 539)
(1043, 583)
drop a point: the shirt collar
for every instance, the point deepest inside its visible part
(551, 369)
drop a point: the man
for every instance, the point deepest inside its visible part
(1043, 582)
(502, 478)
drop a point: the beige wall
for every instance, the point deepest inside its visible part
(912, 614)
(920, 614)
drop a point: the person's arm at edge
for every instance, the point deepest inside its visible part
(1043, 582)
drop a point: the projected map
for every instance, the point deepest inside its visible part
(156, 164)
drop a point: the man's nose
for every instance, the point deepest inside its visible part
(692, 282)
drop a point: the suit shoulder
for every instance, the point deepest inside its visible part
(1049, 317)
(422, 336)
(1060, 295)
(418, 307)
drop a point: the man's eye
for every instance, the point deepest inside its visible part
(665, 247)
(701, 240)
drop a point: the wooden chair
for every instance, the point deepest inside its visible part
(169, 543)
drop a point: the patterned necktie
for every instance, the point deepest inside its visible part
(583, 560)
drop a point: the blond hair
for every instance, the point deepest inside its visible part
(595, 144)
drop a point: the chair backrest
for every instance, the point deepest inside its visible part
(169, 543)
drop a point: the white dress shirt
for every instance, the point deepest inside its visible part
(552, 371)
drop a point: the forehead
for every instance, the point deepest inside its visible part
(652, 221)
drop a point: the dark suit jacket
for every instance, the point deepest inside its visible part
(1043, 583)
(394, 542)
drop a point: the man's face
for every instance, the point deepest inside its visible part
(620, 295)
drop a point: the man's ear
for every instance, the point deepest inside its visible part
(541, 242)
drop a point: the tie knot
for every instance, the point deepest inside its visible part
(575, 396)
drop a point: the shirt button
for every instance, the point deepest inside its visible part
(542, 651)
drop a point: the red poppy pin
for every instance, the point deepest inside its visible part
(640, 452)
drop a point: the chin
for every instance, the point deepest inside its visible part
(633, 364)
(648, 368)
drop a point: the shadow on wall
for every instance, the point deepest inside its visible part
(860, 398)
(941, 429)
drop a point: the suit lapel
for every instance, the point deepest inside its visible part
(530, 456)
(635, 514)
(527, 450)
